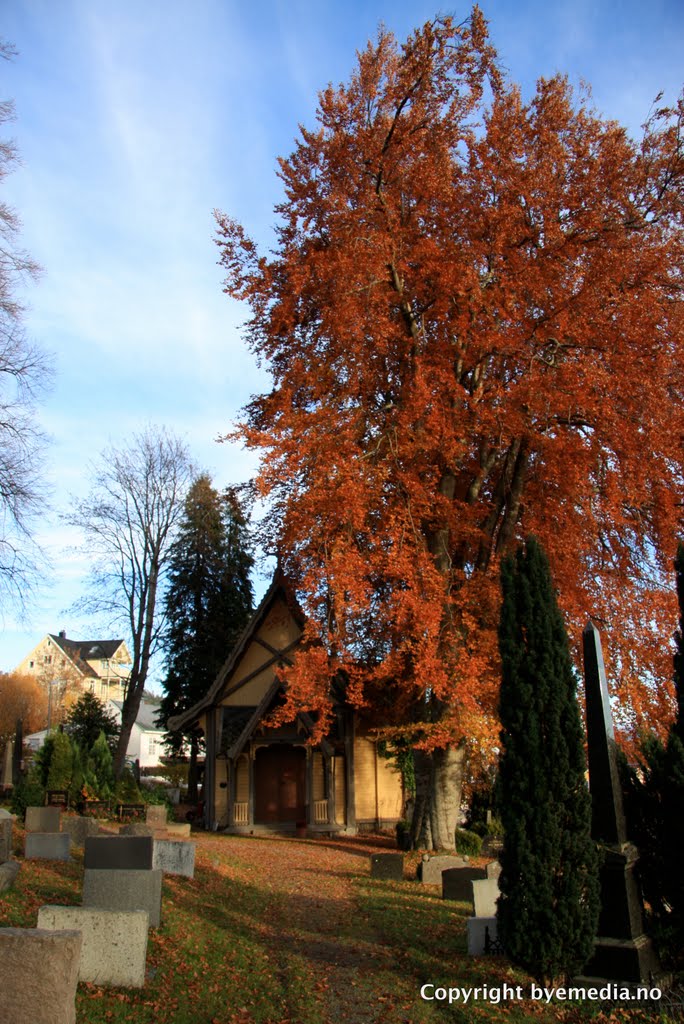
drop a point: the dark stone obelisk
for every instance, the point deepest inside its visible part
(621, 952)
(16, 753)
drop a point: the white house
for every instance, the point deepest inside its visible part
(146, 744)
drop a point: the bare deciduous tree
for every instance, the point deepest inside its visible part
(24, 373)
(129, 520)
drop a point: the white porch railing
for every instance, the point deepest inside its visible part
(241, 813)
(320, 810)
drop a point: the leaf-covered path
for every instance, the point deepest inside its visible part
(314, 927)
(313, 939)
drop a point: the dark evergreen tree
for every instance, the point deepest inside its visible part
(209, 600)
(88, 718)
(654, 801)
(548, 910)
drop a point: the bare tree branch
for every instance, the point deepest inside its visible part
(24, 375)
(129, 520)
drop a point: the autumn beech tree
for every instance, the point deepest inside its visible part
(472, 315)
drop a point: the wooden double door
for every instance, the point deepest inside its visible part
(279, 784)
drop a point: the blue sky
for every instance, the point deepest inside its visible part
(134, 121)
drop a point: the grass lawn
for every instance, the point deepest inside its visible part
(279, 931)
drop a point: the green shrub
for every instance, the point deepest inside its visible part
(100, 770)
(127, 791)
(77, 774)
(159, 795)
(61, 763)
(468, 844)
(29, 793)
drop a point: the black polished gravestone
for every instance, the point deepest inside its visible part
(621, 950)
(127, 853)
(387, 866)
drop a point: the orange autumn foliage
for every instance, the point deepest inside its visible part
(473, 320)
(21, 697)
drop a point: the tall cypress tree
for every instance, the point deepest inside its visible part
(548, 910)
(209, 599)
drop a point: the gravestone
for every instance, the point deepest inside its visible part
(57, 798)
(47, 846)
(177, 830)
(114, 942)
(39, 975)
(43, 819)
(5, 839)
(387, 866)
(457, 883)
(430, 868)
(621, 951)
(485, 894)
(156, 815)
(8, 874)
(136, 828)
(124, 890)
(174, 857)
(493, 869)
(79, 828)
(133, 853)
(482, 936)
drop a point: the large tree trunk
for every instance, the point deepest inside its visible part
(439, 782)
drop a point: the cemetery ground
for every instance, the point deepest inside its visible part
(275, 930)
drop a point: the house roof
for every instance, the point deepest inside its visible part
(147, 714)
(78, 651)
(278, 587)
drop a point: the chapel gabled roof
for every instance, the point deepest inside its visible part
(278, 588)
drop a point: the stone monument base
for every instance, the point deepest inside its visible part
(630, 960)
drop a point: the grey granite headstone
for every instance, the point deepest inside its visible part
(8, 873)
(430, 869)
(39, 975)
(457, 883)
(79, 828)
(136, 828)
(124, 890)
(47, 846)
(174, 857)
(43, 819)
(114, 942)
(387, 866)
(119, 852)
(621, 951)
(5, 839)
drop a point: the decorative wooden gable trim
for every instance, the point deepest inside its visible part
(222, 687)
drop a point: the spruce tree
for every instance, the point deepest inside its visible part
(548, 910)
(209, 600)
(88, 718)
